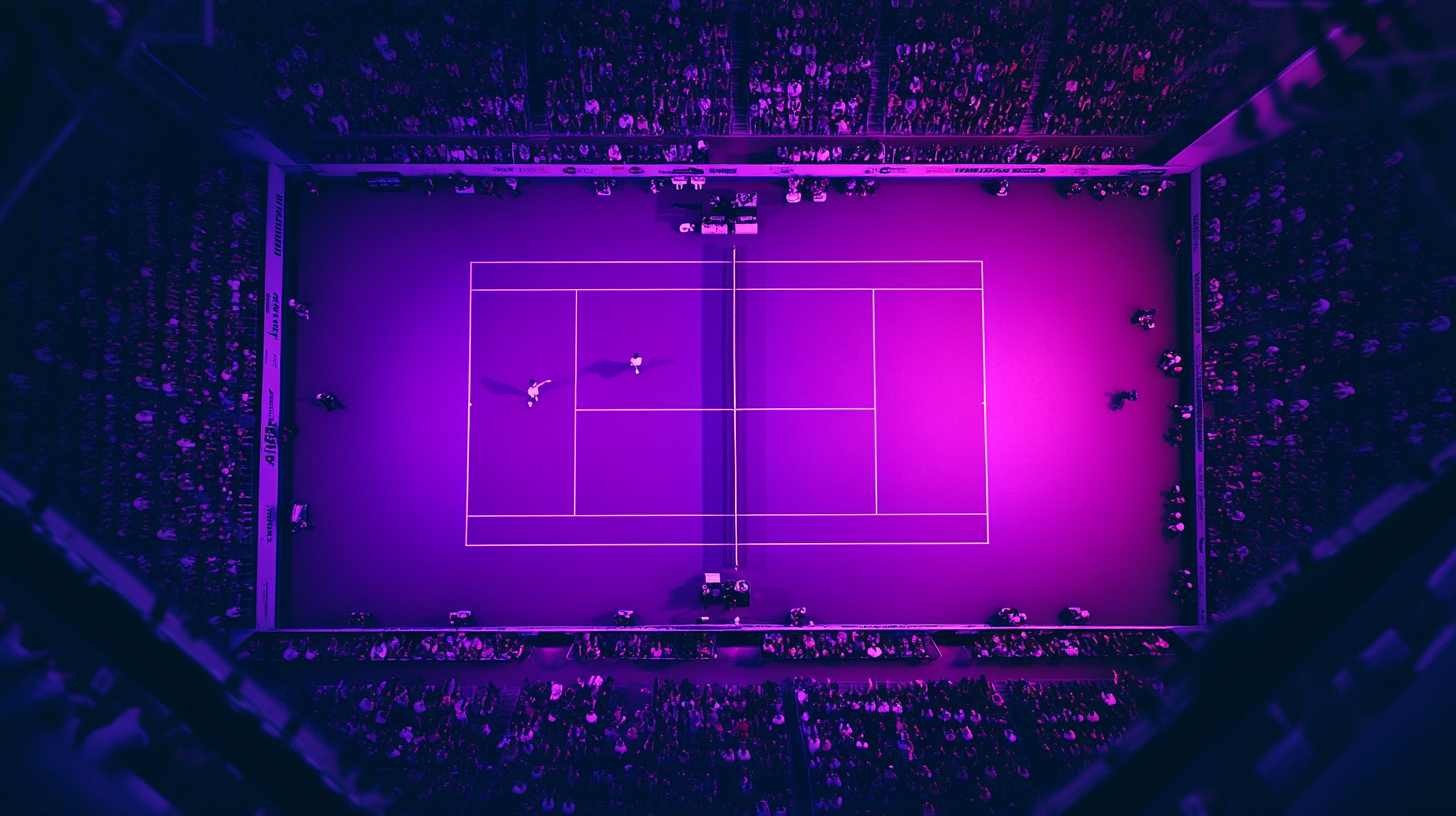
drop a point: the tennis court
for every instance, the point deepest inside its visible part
(780, 402)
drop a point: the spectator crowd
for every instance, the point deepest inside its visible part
(386, 645)
(1328, 296)
(554, 152)
(961, 67)
(376, 67)
(645, 646)
(1045, 643)
(811, 66)
(658, 69)
(850, 644)
(1135, 68)
(1074, 722)
(414, 742)
(636, 67)
(682, 747)
(131, 385)
(911, 748)
(877, 152)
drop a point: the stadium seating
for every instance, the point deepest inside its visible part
(376, 67)
(133, 385)
(1328, 353)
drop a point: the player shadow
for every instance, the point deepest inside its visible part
(507, 390)
(1112, 402)
(608, 369)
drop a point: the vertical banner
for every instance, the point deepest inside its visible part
(271, 402)
(1200, 514)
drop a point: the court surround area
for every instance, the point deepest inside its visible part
(917, 381)
(761, 414)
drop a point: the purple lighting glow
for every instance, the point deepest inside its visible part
(765, 415)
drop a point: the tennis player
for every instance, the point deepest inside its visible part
(533, 393)
(636, 362)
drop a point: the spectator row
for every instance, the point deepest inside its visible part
(401, 645)
(649, 68)
(1031, 643)
(1328, 296)
(850, 644)
(132, 382)
(589, 746)
(644, 646)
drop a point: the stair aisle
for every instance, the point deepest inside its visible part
(798, 753)
(479, 800)
(740, 24)
(879, 74)
(1056, 32)
(535, 73)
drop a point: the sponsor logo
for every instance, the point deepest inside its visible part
(978, 170)
(725, 171)
(636, 171)
(1027, 170)
(278, 225)
(893, 171)
(939, 171)
(273, 307)
(1151, 171)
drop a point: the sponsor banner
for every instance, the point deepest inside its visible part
(754, 170)
(271, 402)
(1200, 514)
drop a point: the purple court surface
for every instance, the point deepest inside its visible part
(761, 415)
(887, 409)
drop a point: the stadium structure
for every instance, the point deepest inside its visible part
(753, 407)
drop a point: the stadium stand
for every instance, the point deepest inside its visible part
(398, 645)
(849, 644)
(1330, 368)
(134, 373)
(1135, 68)
(964, 67)
(635, 67)
(1050, 643)
(376, 67)
(811, 66)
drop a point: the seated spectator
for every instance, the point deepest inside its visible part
(1315, 410)
(636, 67)
(141, 313)
(390, 645)
(961, 67)
(852, 644)
(645, 646)
(1050, 643)
(810, 66)
(379, 68)
(1134, 68)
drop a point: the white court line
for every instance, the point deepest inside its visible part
(575, 389)
(709, 515)
(875, 397)
(754, 544)
(702, 410)
(874, 374)
(747, 289)
(733, 373)
(469, 384)
(985, 420)
(701, 261)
